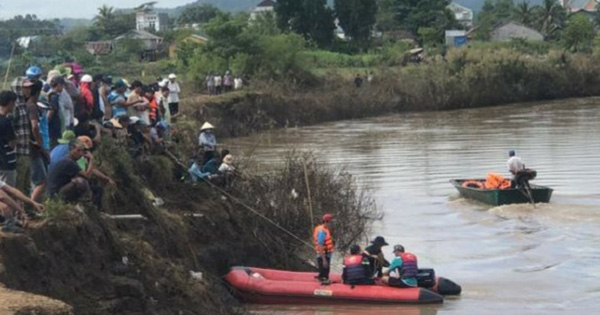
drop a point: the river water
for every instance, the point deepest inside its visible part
(510, 259)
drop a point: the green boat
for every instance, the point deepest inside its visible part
(498, 197)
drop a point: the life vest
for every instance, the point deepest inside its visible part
(153, 109)
(354, 268)
(328, 246)
(496, 181)
(409, 267)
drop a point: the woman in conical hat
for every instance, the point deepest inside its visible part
(207, 142)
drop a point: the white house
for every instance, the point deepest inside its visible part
(462, 14)
(263, 7)
(146, 19)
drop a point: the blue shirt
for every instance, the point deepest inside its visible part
(207, 140)
(396, 265)
(113, 99)
(57, 154)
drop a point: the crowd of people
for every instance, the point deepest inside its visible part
(217, 84)
(51, 124)
(365, 267)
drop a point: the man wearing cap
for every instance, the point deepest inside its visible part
(174, 91)
(22, 127)
(376, 259)
(324, 247)
(62, 149)
(516, 167)
(404, 267)
(207, 141)
(66, 180)
(117, 101)
(38, 154)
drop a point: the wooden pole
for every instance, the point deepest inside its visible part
(12, 52)
(310, 209)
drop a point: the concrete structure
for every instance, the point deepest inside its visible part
(580, 5)
(148, 20)
(510, 30)
(456, 38)
(262, 8)
(462, 14)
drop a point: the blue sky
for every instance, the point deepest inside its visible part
(71, 8)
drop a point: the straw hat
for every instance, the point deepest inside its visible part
(228, 159)
(116, 124)
(207, 126)
(172, 76)
(67, 137)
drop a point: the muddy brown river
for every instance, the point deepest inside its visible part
(513, 259)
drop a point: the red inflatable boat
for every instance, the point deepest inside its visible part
(268, 286)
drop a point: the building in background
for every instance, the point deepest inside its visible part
(262, 8)
(146, 19)
(456, 38)
(513, 30)
(463, 15)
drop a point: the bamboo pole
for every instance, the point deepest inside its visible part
(310, 208)
(12, 52)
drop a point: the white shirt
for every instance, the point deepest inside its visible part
(66, 108)
(226, 168)
(237, 83)
(174, 91)
(218, 80)
(2, 184)
(515, 165)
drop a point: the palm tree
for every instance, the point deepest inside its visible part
(524, 13)
(105, 19)
(552, 17)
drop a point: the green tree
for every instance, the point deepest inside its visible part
(579, 33)
(309, 18)
(552, 18)
(109, 24)
(412, 15)
(525, 14)
(357, 18)
(198, 14)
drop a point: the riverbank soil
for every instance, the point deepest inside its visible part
(18, 302)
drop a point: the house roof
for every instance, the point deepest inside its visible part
(99, 48)
(266, 3)
(500, 25)
(580, 5)
(139, 34)
(454, 5)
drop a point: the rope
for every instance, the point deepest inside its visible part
(258, 214)
(250, 208)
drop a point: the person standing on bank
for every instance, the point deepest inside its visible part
(324, 246)
(174, 91)
(207, 142)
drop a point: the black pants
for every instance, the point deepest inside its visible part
(398, 283)
(365, 281)
(324, 272)
(174, 108)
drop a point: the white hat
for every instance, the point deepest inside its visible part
(86, 78)
(163, 83)
(207, 125)
(134, 120)
(228, 159)
(172, 76)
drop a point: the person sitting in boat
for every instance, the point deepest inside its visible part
(521, 175)
(356, 268)
(403, 269)
(324, 246)
(376, 259)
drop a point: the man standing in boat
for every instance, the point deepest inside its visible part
(521, 175)
(324, 246)
(376, 259)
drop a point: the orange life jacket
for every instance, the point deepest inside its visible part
(328, 246)
(496, 181)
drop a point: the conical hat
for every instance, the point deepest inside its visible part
(207, 125)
